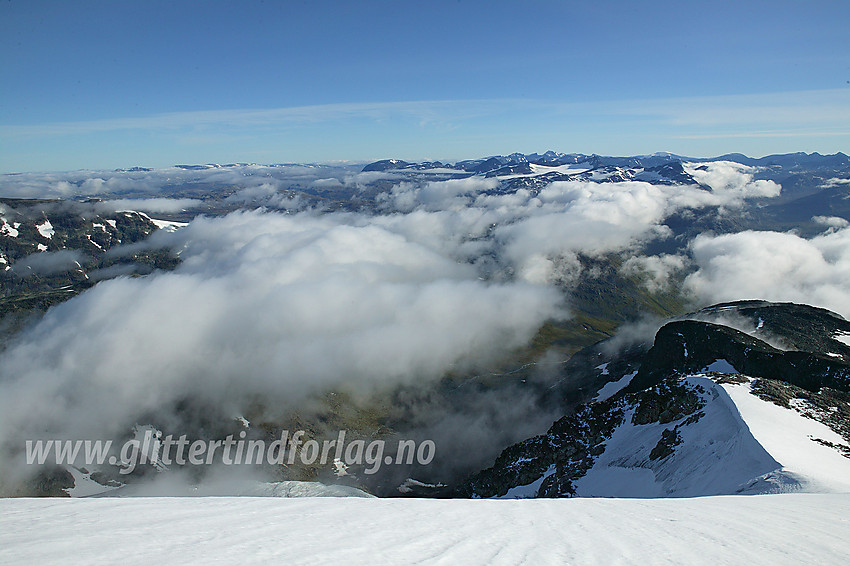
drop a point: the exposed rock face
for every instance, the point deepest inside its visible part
(815, 358)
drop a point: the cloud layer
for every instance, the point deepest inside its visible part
(448, 276)
(774, 266)
(266, 306)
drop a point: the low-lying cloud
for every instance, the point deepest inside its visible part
(264, 305)
(775, 266)
(448, 277)
(170, 181)
(48, 263)
(152, 205)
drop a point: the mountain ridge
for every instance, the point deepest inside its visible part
(689, 423)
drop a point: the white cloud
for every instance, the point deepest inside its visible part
(731, 181)
(774, 266)
(536, 233)
(831, 222)
(48, 263)
(835, 182)
(264, 305)
(655, 271)
(153, 205)
(452, 194)
(171, 180)
(329, 183)
(279, 306)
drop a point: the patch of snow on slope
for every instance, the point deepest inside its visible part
(613, 387)
(715, 531)
(722, 366)
(528, 491)
(8, 229)
(843, 337)
(84, 486)
(88, 237)
(537, 170)
(46, 229)
(568, 169)
(168, 225)
(408, 484)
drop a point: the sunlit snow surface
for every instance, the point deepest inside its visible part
(613, 387)
(46, 229)
(773, 529)
(741, 445)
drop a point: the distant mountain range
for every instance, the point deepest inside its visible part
(812, 184)
(520, 163)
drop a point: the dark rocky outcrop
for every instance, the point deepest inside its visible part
(816, 359)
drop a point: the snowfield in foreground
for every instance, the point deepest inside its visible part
(770, 529)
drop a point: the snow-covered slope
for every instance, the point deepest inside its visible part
(698, 435)
(777, 529)
(740, 444)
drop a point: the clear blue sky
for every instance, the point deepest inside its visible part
(118, 83)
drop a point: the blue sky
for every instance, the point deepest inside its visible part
(118, 83)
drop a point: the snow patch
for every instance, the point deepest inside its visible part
(721, 366)
(168, 225)
(46, 229)
(613, 387)
(409, 483)
(528, 491)
(88, 237)
(84, 486)
(9, 229)
(165, 486)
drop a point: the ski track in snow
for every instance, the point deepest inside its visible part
(773, 529)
